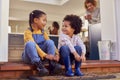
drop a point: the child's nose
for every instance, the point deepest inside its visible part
(89, 7)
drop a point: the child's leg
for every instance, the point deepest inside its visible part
(65, 55)
(78, 64)
(49, 48)
(30, 53)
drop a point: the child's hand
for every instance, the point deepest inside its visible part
(83, 58)
(49, 56)
(77, 57)
(56, 58)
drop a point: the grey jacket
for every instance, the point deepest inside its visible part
(95, 16)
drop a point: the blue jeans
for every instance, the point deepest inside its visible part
(65, 51)
(30, 54)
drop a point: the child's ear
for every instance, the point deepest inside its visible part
(35, 20)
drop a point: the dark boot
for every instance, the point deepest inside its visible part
(68, 66)
(42, 70)
(77, 69)
(54, 67)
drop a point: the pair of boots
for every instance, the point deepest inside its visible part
(54, 68)
(68, 67)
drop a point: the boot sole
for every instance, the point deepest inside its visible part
(57, 71)
(44, 74)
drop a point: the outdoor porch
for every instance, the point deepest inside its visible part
(19, 70)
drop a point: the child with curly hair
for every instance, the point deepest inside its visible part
(71, 47)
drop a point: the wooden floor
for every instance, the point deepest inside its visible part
(19, 69)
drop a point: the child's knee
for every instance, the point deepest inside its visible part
(30, 44)
(64, 51)
(78, 49)
(64, 48)
(49, 42)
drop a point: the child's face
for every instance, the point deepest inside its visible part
(67, 29)
(90, 7)
(41, 21)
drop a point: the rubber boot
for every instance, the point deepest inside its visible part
(77, 69)
(68, 67)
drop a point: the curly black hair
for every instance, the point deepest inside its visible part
(75, 22)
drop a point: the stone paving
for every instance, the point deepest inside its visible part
(88, 76)
(117, 77)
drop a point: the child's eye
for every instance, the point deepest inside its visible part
(44, 20)
(65, 26)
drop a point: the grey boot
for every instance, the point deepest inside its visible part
(42, 70)
(54, 67)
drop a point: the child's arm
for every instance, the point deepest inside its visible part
(81, 44)
(57, 56)
(28, 37)
(46, 36)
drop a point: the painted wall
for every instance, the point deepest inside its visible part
(18, 26)
(21, 26)
(108, 20)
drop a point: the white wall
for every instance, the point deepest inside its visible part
(23, 25)
(110, 20)
(4, 14)
(117, 15)
(107, 8)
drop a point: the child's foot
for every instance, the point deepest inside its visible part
(78, 72)
(42, 70)
(55, 68)
(69, 73)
